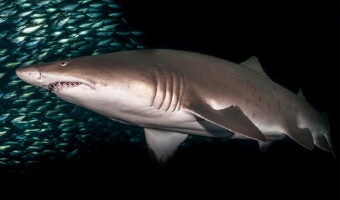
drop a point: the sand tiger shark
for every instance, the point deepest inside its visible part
(174, 93)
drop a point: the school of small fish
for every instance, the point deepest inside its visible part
(36, 126)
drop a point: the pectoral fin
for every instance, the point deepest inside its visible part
(232, 119)
(163, 144)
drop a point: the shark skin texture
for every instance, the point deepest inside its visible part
(174, 93)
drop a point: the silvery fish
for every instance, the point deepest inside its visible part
(42, 31)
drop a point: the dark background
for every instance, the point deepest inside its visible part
(297, 43)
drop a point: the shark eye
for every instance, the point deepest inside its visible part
(63, 64)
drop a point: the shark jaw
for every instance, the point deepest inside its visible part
(57, 87)
(71, 90)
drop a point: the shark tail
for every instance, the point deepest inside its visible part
(323, 140)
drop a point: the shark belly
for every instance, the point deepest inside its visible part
(179, 121)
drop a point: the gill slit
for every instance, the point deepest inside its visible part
(156, 88)
(169, 91)
(180, 93)
(175, 92)
(162, 90)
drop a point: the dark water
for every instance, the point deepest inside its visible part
(297, 44)
(50, 141)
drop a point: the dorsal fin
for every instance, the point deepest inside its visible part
(254, 64)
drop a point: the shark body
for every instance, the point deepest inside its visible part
(175, 93)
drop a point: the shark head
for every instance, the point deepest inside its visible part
(78, 81)
(64, 78)
(98, 83)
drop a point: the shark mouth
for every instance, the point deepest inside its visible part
(58, 86)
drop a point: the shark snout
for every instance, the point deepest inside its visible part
(29, 74)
